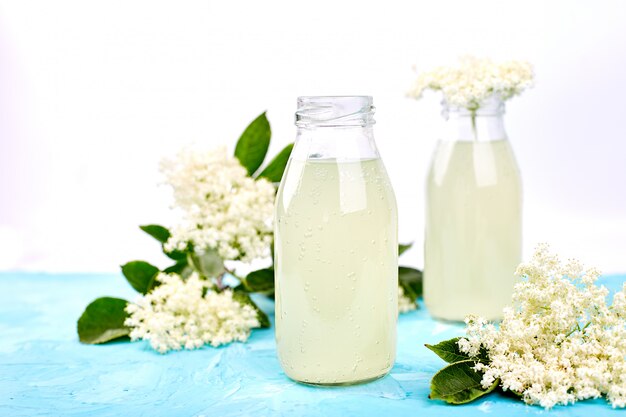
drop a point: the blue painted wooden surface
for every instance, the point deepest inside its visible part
(44, 371)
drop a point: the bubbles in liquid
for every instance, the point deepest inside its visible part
(344, 234)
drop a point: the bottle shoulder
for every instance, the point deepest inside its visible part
(479, 163)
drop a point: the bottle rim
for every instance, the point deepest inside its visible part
(334, 111)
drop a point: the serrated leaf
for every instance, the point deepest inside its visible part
(160, 233)
(458, 383)
(253, 144)
(140, 275)
(411, 280)
(244, 298)
(403, 247)
(208, 263)
(261, 280)
(273, 172)
(449, 351)
(103, 321)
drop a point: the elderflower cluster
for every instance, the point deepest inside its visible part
(223, 208)
(187, 314)
(474, 80)
(405, 304)
(561, 343)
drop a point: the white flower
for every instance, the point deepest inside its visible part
(176, 315)
(473, 80)
(223, 208)
(562, 342)
(405, 304)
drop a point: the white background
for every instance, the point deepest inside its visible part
(94, 93)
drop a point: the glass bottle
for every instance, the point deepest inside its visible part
(473, 216)
(336, 248)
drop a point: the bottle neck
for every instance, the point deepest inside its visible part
(484, 123)
(341, 143)
(335, 127)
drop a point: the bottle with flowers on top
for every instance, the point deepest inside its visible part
(473, 228)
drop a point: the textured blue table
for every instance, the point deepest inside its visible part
(44, 371)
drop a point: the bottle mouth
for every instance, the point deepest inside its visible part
(335, 111)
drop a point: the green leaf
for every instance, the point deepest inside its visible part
(176, 255)
(409, 293)
(181, 268)
(253, 144)
(274, 171)
(449, 351)
(103, 320)
(458, 383)
(403, 247)
(261, 280)
(208, 263)
(244, 298)
(160, 233)
(140, 275)
(411, 281)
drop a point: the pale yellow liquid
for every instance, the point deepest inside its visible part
(336, 271)
(473, 229)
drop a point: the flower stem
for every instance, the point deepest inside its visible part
(232, 272)
(578, 329)
(474, 125)
(219, 281)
